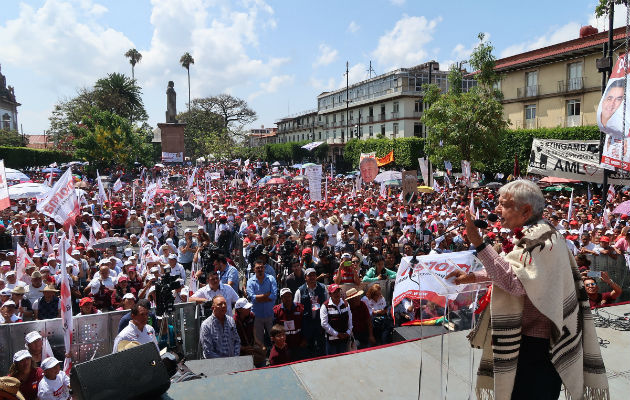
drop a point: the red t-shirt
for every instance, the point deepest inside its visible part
(279, 356)
(606, 297)
(360, 318)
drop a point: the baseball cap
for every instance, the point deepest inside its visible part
(243, 303)
(346, 255)
(188, 230)
(129, 296)
(123, 278)
(154, 270)
(8, 303)
(32, 336)
(333, 288)
(284, 291)
(172, 256)
(310, 271)
(49, 362)
(36, 274)
(21, 355)
(85, 301)
(307, 250)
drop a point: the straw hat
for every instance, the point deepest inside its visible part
(352, 293)
(50, 288)
(11, 386)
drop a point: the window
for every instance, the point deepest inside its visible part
(396, 105)
(334, 134)
(334, 118)
(573, 108)
(417, 129)
(395, 133)
(531, 83)
(371, 131)
(383, 130)
(417, 106)
(351, 116)
(342, 117)
(320, 136)
(530, 111)
(574, 76)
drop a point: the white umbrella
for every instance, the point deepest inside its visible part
(15, 175)
(27, 190)
(388, 176)
(276, 164)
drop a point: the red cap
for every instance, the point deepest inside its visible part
(85, 300)
(604, 239)
(333, 288)
(307, 250)
(308, 236)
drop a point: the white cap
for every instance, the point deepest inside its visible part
(129, 296)
(32, 336)
(128, 252)
(285, 290)
(9, 273)
(188, 230)
(49, 363)
(243, 303)
(154, 270)
(8, 303)
(21, 355)
(172, 256)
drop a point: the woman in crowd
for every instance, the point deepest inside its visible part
(26, 371)
(379, 272)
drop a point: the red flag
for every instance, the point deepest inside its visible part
(517, 169)
(385, 160)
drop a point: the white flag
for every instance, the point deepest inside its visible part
(611, 193)
(570, 211)
(102, 195)
(21, 261)
(61, 203)
(66, 304)
(118, 185)
(4, 188)
(424, 169)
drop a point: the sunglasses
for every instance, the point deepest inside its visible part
(590, 284)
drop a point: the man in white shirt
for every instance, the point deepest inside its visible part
(177, 269)
(215, 288)
(35, 290)
(138, 329)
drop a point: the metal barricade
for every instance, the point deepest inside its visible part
(92, 335)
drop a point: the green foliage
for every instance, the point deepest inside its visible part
(22, 157)
(406, 151)
(519, 142)
(483, 61)
(120, 95)
(293, 152)
(603, 6)
(202, 134)
(12, 138)
(108, 140)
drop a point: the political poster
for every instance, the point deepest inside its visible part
(172, 157)
(61, 203)
(570, 159)
(424, 170)
(5, 202)
(409, 184)
(368, 166)
(427, 278)
(314, 175)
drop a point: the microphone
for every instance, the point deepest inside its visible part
(481, 224)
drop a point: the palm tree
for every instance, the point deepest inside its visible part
(185, 61)
(134, 57)
(120, 95)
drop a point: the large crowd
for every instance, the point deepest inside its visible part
(286, 278)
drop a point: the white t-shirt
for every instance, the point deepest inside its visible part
(57, 389)
(132, 333)
(33, 293)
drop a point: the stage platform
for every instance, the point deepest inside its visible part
(390, 372)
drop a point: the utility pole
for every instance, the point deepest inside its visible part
(604, 65)
(347, 102)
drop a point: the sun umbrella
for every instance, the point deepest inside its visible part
(299, 178)
(159, 165)
(553, 179)
(15, 175)
(308, 164)
(110, 241)
(296, 166)
(27, 190)
(163, 191)
(556, 188)
(277, 181)
(276, 164)
(425, 189)
(388, 176)
(54, 170)
(392, 182)
(623, 208)
(494, 185)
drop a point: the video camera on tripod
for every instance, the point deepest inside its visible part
(164, 299)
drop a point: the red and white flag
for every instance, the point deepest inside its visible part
(117, 185)
(61, 203)
(21, 261)
(5, 202)
(102, 195)
(66, 304)
(611, 193)
(96, 227)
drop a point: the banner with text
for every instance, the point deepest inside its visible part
(61, 203)
(314, 175)
(4, 188)
(570, 159)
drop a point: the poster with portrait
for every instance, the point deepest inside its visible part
(610, 118)
(409, 184)
(368, 167)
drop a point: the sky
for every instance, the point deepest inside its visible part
(276, 55)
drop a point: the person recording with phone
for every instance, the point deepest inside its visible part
(592, 290)
(348, 272)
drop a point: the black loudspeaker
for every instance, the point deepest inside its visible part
(129, 374)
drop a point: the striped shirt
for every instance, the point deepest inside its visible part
(219, 339)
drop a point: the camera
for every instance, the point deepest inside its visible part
(164, 299)
(209, 255)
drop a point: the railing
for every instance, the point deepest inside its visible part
(381, 117)
(395, 115)
(370, 118)
(571, 84)
(528, 91)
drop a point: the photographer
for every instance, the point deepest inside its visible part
(326, 266)
(348, 271)
(378, 271)
(186, 250)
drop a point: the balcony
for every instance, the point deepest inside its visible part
(528, 91)
(531, 123)
(395, 115)
(370, 118)
(381, 117)
(571, 84)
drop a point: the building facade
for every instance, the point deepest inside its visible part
(8, 105)
(558, 85)
(261, 136)
(389, 105)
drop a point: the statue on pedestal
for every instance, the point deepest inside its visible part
(171, 108)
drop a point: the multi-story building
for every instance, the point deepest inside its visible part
(261, 136)
(8, 105)
(389, 105)
(558, 85)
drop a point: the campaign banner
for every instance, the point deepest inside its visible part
(61, 203)
(466, 172)
(215, 175)
(570, 159)
(314, 175)
(424, 170)
(172, 157)
(409, 184)
(427, 277)
(5, 202)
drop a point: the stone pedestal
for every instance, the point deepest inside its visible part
(172, 135)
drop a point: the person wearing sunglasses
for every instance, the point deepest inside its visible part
(599, 299)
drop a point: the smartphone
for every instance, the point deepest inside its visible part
(347, 263)
(594, 274)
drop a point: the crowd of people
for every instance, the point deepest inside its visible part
(286, 278)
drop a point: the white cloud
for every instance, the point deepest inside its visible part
(326, 56)
(272, 85)
(566, 32)
(404, 45)
(321, 85)
(397, 2)
(66, 44)
(353, 27)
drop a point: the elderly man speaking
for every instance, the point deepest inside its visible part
(538, 331)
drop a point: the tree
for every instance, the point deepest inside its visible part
(120, 95)
(203, 133)
(12, 138)
(109, 140)
(134, 57)
(604, 5)
(235, 112)
(465, 126)
(67, 113)
(185, 61)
